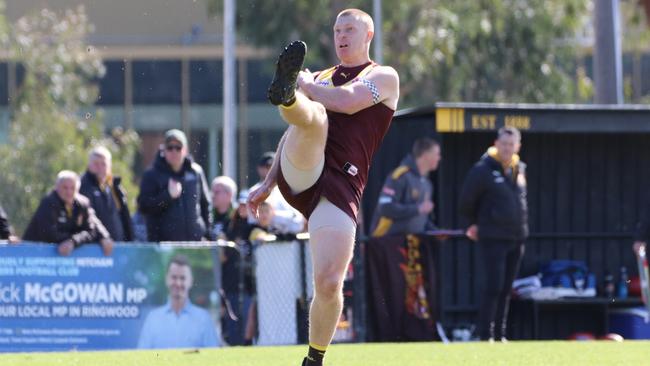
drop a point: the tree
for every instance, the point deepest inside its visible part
(483, 51)
(635, 35)
(276, 23)
(489, 50)
(47, 132)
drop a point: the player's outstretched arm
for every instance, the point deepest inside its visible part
(381, 85)
(259, 195)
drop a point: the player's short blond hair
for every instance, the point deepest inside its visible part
(360, 15)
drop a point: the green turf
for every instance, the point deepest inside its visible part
(377, 354)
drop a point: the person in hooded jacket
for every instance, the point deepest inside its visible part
(174, 194)
(106, 195)
(405, 202)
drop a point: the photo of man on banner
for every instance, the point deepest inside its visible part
(178, 323)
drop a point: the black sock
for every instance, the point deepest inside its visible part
(315, 356)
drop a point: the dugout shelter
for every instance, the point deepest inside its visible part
(588, 178)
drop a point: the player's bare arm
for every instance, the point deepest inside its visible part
(259, 195)
(381, 85)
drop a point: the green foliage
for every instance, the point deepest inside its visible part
(47, 133)
(4, 33)
(276, 23)
(486, 51)
(483, 51)
(636, 37)
(635, 26)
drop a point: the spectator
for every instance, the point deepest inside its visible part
(223, 193)
(6, 231)
(179, 323)
(286, 218)
(405, 202)
(264, 229)
(493, 202)
(66, 218)
(174, 195)
(239, 229)
(236, 271)
(139, 227)
(106, 196)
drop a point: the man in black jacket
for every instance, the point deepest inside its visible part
(64, 217)
(106, 196)
(174, 194)
(493, 202)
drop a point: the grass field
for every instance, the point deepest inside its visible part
(377, 354)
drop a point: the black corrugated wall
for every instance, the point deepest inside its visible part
(585, 193)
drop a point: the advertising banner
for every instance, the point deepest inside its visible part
(142, 296)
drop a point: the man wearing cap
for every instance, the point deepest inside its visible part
(286, 219)
(174, 194)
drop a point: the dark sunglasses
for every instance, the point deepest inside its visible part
(173, 147)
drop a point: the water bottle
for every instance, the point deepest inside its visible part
(622, 284)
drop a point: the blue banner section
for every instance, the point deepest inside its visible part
(88, 301)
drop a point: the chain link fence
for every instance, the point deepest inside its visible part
(267, 292)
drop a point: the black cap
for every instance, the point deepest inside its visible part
(266, 159)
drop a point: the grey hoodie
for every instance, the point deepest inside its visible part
(397, 210)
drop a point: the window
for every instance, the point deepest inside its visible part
(111, 86)
(156, 82)
(206, 84)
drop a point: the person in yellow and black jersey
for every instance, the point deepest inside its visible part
(405, 202)
(494, 206)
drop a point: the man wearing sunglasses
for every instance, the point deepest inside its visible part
(174, 194)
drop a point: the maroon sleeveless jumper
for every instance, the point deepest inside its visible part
(351, 143)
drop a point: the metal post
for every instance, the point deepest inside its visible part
(229, 101)
(185, 98)
(378, 41)
(360, 304)
(12, 85)
(213, 152)
(637, 76)
(303, 318)
(217, 276)
(243, 123)
(128, 94)
(608, 68)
